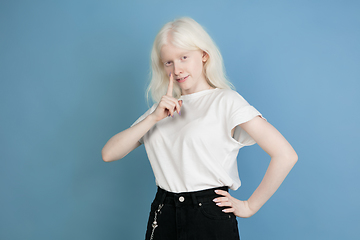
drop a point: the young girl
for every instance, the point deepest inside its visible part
(192, 135)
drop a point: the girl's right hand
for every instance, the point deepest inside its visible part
(168, 105)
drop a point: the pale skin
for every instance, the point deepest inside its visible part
(178, 64)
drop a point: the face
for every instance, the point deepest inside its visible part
(186, 67)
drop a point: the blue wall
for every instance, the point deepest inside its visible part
(73, 74)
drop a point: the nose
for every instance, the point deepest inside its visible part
(177, 69)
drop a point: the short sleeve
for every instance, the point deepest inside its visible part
(240, 112)
(142, 117)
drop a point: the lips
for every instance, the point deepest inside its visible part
(180, 80)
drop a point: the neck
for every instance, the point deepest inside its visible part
(198, 88)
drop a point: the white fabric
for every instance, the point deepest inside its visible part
(195, 151)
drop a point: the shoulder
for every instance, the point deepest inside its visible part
(231, 96)
(229, 93)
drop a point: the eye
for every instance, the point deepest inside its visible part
(167, 64)
(184, 57)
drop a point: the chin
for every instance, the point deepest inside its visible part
(184, 87)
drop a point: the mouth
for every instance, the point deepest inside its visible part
(180, 80)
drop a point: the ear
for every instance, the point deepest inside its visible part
(205, 56)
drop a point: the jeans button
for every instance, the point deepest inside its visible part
(181, 199)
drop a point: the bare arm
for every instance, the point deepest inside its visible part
(124, 142)
(283, 158)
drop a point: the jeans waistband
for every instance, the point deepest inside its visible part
(186, 198)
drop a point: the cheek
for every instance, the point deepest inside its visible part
(167, 71)
(198, 67)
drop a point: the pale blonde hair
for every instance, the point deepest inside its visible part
(187, 34)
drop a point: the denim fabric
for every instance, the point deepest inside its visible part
(191, 216)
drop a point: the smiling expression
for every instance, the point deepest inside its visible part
(186, 66)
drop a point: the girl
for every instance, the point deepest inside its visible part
(192, 135)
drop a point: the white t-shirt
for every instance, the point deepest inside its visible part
(195, 150)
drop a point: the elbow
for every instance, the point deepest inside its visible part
(106, 157)
(288, 158)
(296, 158)
(292, 158)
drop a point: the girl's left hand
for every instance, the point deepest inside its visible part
(239, 208)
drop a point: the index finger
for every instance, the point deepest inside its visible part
(171, 85)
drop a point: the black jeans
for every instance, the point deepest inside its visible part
(190, 216)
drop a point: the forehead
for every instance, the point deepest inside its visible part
(169, 51)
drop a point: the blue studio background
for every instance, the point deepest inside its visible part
(73, 73)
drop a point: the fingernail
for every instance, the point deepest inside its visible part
(180, 113)
(169, 74)
(172, 116)
(216, 191)
(218, 203)
(224, 210)
(215, 200)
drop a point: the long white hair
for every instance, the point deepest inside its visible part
(187, 34)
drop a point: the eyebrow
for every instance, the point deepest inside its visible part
(181, 54)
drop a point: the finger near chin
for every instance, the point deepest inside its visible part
(170, 86)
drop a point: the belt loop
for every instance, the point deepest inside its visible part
(163, 195)
(194, 199)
